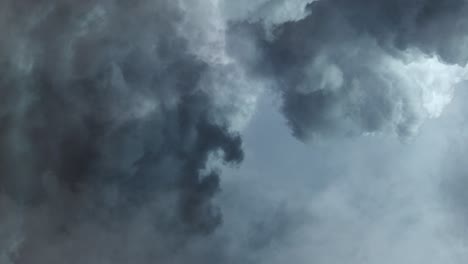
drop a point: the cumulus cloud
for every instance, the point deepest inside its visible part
(110, 113)
(117, 119)
(354, 67)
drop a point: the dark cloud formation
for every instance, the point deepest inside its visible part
(102, 116)
(346, 68)
(115, 117)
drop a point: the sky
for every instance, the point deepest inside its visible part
(218, 131)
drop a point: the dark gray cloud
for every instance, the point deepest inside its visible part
(117, 118)
(102, 116)
(349, 66)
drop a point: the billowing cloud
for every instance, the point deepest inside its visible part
(110, 108)
(117, 119)
(353, 67)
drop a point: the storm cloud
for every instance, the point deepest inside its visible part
(143, 131)
(104, 113)
(354, 67)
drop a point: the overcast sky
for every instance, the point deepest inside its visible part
(218, 131)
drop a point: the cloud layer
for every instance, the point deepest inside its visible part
(105, 113)
(117, 119)
(353, 67)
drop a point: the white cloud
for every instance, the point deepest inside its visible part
(428, 77)
(269, 12)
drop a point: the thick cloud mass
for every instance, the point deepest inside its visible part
(353, 67)
(103, 112)
(118, 117)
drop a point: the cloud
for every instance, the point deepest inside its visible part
(360, 67)
(355, 200)
(268, 12)
(118, 118)
(109, 117)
